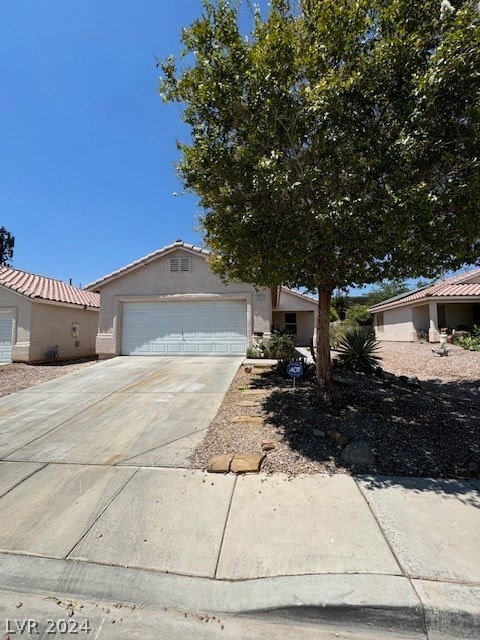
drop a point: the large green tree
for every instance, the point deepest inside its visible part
(334, 145)
(7, 242)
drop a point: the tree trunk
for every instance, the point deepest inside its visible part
(324, 365)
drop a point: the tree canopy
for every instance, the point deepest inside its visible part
(7, 242)
(335, 145)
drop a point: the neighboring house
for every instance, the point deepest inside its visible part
(38, 314)
(171, 303)
(449, 304)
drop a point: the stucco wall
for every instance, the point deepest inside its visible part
(306, 311)
(154, 282)
(290, 302)
(52, 325)
(21, 311)
(402, 324)
(397, 325)
(305, 325)
(421, 318)
(39, 326)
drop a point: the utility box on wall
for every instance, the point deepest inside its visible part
(75, 329)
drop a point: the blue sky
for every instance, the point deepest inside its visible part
(86, 144)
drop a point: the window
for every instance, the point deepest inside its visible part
(179, 265)
(291, 324)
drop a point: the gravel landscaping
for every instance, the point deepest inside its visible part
(429, 427)
(15, 377)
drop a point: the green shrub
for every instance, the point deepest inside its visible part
(471, 342)
(281, 346)
(257, 349)
(338, 330)
(334, 314)
(357, 351)
(360, 314)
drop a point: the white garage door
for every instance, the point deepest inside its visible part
(184, 328)
(6, 324)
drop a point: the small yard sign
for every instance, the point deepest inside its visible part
(295, 370)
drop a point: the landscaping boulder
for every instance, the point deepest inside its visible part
(340, 438)
(268, 445)
(248, 419)
(246, 463)
(219, 463)
(358, 453)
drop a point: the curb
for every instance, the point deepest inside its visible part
(377, 601)
(423, 609)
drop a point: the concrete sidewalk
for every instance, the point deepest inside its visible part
(97, 504)
(396, 554)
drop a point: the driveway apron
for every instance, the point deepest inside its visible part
(150, 410)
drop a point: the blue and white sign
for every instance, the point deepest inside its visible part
(295, 369)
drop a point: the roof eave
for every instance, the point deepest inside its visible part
(143, 262)
(425, 300)
(59, 303)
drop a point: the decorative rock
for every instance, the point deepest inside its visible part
(358, 453)
(340, 438)
(413, 382)
(268, 445)
(318, 433)
(219, 463)
(290, 430)
(255, 392)
(246, 463)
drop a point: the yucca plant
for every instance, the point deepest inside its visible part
(357, 351)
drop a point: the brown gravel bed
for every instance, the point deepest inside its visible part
(431, 430)
(15, 377)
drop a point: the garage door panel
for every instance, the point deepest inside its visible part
(184, 328)
(158, 349)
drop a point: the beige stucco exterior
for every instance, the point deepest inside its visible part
(445, 306)
(39, 325)
(152, 281)
(404, 323)
(305, 309)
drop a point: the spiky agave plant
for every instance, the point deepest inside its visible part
(357, 351)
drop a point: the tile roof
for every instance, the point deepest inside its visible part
(178, 244)
(42, 288)
(458, 286)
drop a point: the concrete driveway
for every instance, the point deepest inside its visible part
(143, 411)
(97, 503)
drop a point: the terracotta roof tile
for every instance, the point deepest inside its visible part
(42, 288)
(458, 286)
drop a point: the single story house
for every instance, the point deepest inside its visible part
(41, 317)
(446, 305)
(170, 302)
